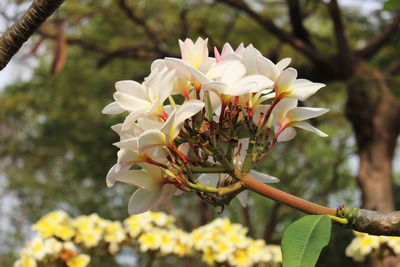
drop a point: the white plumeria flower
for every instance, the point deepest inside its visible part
(142, 99)
(196, 54)
(235, 82)
(286, 85)
(152, 191)
(286, 114)
(167, 133)
(195, 62)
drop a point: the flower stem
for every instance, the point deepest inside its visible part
(283, 197)
(208, 170)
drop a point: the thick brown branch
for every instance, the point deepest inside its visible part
(344, 51)
(381, 39)
(370, 221)
(268, 25)
(296, 20)
(20, 32)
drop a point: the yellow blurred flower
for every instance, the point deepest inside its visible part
(81, 260)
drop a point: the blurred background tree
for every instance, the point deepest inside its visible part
(55, 144)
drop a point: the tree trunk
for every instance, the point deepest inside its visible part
(374, 114)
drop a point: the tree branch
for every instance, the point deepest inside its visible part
(296, 20)
(139, 51)
(379, 40)
(344, 51)
(20, 32)
(298, 44)
(129, 12)
(362, 220)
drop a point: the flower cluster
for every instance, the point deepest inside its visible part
(225, 243)
(51, 252)
(155, 232)
(203, 114)
(364, 244)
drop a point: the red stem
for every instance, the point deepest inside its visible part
(283, 197)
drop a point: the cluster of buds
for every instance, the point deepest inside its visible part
(198, 123)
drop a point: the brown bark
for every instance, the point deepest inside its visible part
(372, 110)
(374, 114)
(20, 32)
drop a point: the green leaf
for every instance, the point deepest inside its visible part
(391, 5)
(304, 239)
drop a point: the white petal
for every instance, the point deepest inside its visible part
(218, 69)
(130, 143)
(184, 148)
(240, 49)
(243, 197)
(157, 64)
(265, 98)
(143, 200)
(154, 170)
(161, 86)
(287, 134)
(206, 65)
(262, 177)
(285, 80)
(233, 73)
(261, 81)
(131, 88)
(283, 106)
(117, 128)
(169, 124)
(138, 178)
(187, 110)
(308, 127)
(112, 108)
(215, 101)
(303, 90)
(250, 59)
(244, 142)
(241, 88)
(167, 192)
(267, 68)
(126, 158)
(304, 113)
(229, 57)
(257, 113)
(281, 65)
(131, 103)
(150, 139)
(208, 179)
(215, 86)
(148, 124)
(130, 120)
(227, 49)
(110, 178)
(186, 71)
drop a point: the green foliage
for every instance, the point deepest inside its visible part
(304, 239)
(391, 5)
